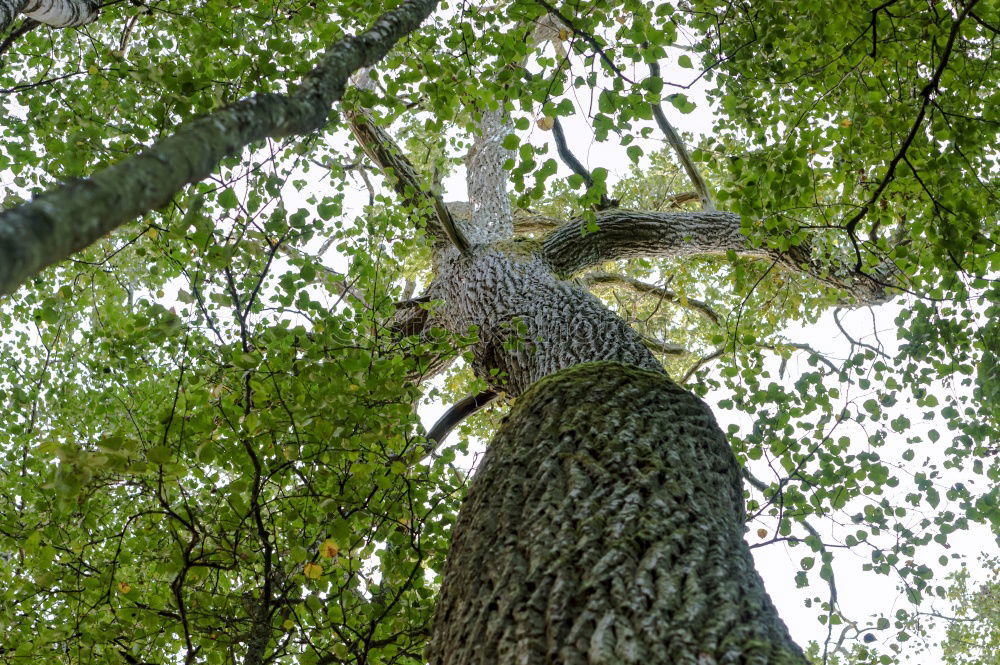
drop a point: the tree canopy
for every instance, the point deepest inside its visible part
(211, 451)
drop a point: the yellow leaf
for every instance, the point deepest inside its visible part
(762, 533)
(545, 123)
(328, 549)
(846, 122)
(152, 232)
(123, 587)
(288, 624)
(563, 34)
(312, 570)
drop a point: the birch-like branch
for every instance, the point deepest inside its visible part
(54, 13)
(69, 217)
(675, 141)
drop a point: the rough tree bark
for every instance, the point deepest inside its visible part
(605, 525)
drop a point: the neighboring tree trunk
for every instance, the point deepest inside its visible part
(68, 218)
(605, 525)
(54, 13)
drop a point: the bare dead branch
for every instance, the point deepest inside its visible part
(641, 287)
(675, 141)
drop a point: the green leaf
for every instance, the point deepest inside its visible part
(227, 199)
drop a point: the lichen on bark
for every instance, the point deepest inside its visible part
(605, 525)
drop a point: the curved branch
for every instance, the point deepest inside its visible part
(675, 141)
(455, 415)
(565, 154)
(68, 218)
(622, 234)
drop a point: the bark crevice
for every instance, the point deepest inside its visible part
(605, 525)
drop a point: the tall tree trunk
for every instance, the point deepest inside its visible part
(605, 525)
(529, 323)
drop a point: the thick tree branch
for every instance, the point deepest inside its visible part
(675, 141)
(72, 216)
(458, 412)
(622, 234)
(55, 13)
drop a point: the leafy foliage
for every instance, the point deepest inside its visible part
(973, 637)
(210, 442)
